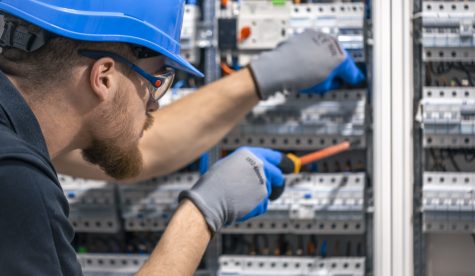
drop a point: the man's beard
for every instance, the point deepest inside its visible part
(148, 122)
(115, 160)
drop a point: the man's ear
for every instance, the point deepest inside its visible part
(103, 77)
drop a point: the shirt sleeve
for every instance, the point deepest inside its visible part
(35, 234)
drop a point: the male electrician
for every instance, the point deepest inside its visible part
(87, 75)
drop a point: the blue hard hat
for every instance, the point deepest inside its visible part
(153, 24)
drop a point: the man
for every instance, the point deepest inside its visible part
(87, 75)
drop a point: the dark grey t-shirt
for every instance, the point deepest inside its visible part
(35, 234)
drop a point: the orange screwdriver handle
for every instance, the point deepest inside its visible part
(324, 153)
(292, 164)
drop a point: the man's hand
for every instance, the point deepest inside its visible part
(238, 187)
(311, 62)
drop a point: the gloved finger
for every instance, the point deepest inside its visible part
(349, 72)
(274, 175)
(260, 209)
(272, 156)
(336, 84)
(329, 84)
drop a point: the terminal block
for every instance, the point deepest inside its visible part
(303, 122)
(313, 204)
(262, 25)
(448, 203)
(121, 264)
(148, 206)
(448, 32)
(342, 20)
(267, 24)
(448, 117)
(93, 205)
(116, 264)
(290, 266)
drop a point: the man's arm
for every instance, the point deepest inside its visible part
(311, 62)
(182, 246)
(184, 129)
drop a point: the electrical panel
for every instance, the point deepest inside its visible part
(321, 226)
(445, 90)
(447, 105)
(93, 205)
(304, 122)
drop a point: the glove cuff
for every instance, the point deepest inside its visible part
(211, 217)
(258, 89)
(264, 74)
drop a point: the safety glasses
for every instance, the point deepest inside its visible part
(160, 82)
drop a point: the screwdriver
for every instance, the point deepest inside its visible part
(291, 163)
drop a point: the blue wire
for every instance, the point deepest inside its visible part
(323, 249)
(204, 163)
(314, 167)
(235, 64)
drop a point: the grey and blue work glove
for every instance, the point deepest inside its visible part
(238, 187)
(311, 62)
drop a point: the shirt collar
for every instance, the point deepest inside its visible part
(18, 116)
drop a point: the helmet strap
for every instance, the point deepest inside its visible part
(19, 37)
(142, 52)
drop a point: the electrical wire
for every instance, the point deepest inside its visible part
(468, 156)
(300, 247)
(312, 246)
(226, 69)
(452, 160)
(437, 163)
(261, 244)
(441, 69)
(460, 66)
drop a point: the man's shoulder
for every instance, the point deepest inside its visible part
(34, 215)
(10, 141)
(16, 152)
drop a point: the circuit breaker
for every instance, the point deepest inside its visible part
(321, 226)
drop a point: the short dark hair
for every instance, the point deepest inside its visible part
(56, 58)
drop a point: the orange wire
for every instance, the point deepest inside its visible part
(324, 153)
(226, 69)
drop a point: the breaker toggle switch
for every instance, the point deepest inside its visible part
(245, 33)
(466, 28)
